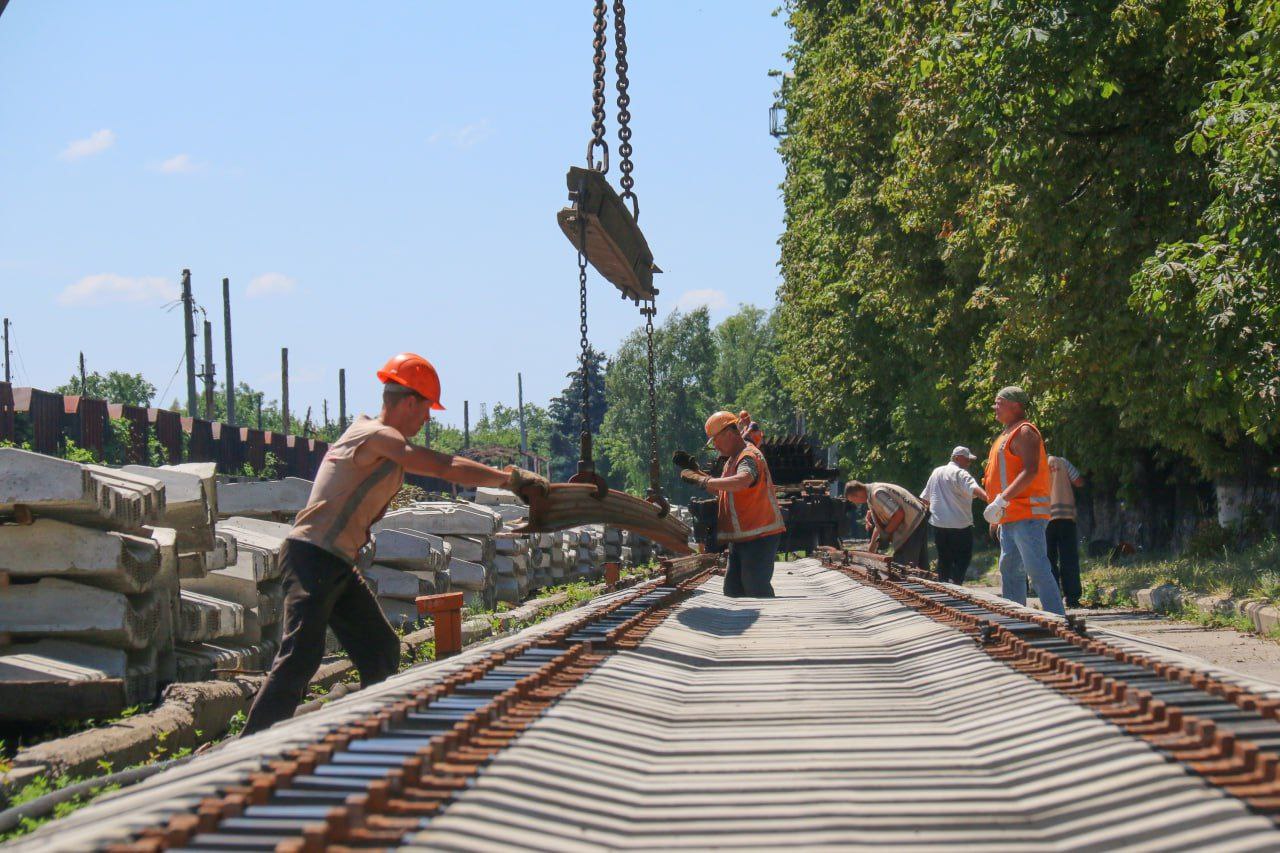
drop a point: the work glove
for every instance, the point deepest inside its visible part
(524, 483)
(695, 478)
(995, 510)
(685, 460)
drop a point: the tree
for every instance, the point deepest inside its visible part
(565, 416)
(116, 387)
(1214, 295)
(971, 189)
(685, 362)
(746, 373)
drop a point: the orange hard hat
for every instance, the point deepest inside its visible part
(415, 373)
(718, 423)
(743, 416)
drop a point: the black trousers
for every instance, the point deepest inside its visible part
(321, 590)
(915, 551)
(1064, 557)
(955, 550)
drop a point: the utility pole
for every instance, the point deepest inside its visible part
(306, 423)
(466, 423)
(84, 383)
(8, 377)
(342, 400)
(189, 326)
(260, 396)
(284, 389)
(524, 436)
(207, 375)
(226, 332)
(326, 412)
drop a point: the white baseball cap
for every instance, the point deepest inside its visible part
(961, 450)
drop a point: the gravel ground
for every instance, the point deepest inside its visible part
(1245, 653)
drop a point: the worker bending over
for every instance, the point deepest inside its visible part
(753, 434)
(361, 473)
(747, 514)
(897, 515)
(1018, 476)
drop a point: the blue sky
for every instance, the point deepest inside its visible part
(371, 177)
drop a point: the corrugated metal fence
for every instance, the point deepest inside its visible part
(48, 420)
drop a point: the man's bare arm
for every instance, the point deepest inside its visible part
(431, 463)
(979, 492)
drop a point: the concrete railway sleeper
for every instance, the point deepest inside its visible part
(369, 784)
(1226, 734)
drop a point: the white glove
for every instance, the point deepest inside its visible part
(995, 510)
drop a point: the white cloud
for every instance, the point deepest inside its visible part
(712, 299)
(179, 164)
(463, 137)
(271, 284)
(94, 143)
(109, 287)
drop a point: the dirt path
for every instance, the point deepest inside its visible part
(1245, 653)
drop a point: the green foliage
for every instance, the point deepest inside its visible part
(746, 372)
(979, 194)
(685, 365)
(116, 387)
(565, 416)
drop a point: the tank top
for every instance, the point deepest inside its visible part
(349, 497)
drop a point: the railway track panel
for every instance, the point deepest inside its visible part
(172, 808)
(831, 716)
(856, 710)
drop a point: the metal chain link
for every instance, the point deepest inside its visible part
(655, 473)
(624, 104)
(584, 344)
(597, 93)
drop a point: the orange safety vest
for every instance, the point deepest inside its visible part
(751, 513)
(1003, 466)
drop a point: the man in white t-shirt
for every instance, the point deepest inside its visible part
(949, 495)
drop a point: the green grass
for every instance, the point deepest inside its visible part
(1252, 572)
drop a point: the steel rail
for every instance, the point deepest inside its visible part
(372, 782)
(1227, 734)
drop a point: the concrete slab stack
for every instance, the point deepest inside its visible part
(424, 555)
(90, 495)
(87, 591)
(270, 499)
(249, 583)
(397, 592)
(469, 529)
(511, 567)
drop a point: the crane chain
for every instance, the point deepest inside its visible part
(584, 344)
(655, 473)
(597, 93)
(624, 106)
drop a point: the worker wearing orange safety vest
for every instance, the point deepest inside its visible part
(1017, 475)
(359, 476)
(747, 516)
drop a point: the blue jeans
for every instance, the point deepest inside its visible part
(1023, 552)
(750, 573)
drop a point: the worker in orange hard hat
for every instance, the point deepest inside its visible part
(744, 421)
(357, 479)
(747, 517)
